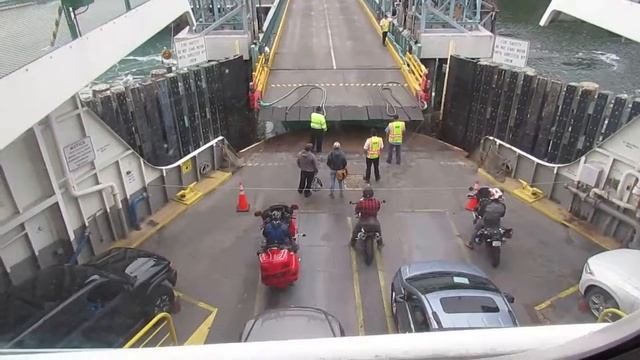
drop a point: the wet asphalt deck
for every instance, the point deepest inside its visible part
(214, 248)
(333, 42)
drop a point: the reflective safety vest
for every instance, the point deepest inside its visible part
(375, 143)
(318, 121)
(384, 24)
(395, 132)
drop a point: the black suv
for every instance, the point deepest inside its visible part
(102, 303)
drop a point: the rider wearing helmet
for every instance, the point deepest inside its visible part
(490, 213)
(367, 208)
(276, 226)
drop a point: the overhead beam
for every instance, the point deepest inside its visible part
(30, 93)
(618, 16)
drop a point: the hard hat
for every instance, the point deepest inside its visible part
(367, 192)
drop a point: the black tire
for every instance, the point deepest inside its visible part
(394, 307)
(161, 299)
(599, 299)
(368, 251)
(494, 255)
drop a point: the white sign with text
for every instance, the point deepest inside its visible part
(79, 153)
(191, 52)
(509, 51)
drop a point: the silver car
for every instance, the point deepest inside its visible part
(296, 322)
(441, 295)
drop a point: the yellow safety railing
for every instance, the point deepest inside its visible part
(414, 72)
(153, 330)
(265, 61)
(605, 315)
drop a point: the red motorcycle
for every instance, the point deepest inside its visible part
(279, 263)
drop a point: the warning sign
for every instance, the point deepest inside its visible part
(191, 52)
(79, 153)
(509, 51)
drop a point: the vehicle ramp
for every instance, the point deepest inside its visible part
(332, 45)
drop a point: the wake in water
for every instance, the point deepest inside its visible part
(611, 59)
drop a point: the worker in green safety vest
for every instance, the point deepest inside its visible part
(318, 128)
(395, 131)
(372, 149)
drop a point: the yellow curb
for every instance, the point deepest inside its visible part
(556, 213)
(170, 212)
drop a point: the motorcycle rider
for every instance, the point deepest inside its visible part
(367, 208)
(276, 222)
(490, 212)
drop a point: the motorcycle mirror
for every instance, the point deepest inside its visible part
(257, 213)
(470, 188)
(294, 207)
(351, 203)
(399, 298)
(510, 298)
(384, 201)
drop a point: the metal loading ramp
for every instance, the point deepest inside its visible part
(331, 44)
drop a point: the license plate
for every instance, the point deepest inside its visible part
(496, 243)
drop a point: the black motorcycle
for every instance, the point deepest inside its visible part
(368, 238)
(493, 238)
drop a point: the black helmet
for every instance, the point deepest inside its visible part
(367, 192)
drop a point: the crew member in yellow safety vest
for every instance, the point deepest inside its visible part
(395, 130)
(384, 26)
(372, 149)
(318, 127)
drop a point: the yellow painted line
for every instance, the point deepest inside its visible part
(465, 250)
(356, 287)
(383, 286)
(560, 295)
(555, 213)
(199, 337)
(196, 302)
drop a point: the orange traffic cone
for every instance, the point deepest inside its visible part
(243, 204)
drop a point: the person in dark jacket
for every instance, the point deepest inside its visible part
(337, 163)
(308, 169)
(490, 211)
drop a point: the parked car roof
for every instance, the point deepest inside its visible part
(292, 323)
(470, 309)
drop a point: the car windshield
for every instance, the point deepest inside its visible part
(426, 284)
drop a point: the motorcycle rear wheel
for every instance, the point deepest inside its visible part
(368, 251)
(494, 255)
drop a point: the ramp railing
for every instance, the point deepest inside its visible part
(160, 330)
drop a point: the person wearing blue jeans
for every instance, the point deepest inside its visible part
(336, 162)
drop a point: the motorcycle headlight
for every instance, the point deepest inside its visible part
(587, 269)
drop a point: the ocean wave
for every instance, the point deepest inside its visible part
(609, 58)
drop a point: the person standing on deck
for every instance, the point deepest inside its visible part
(308, 169)
(337, 162)
(372, 149)
(384, 26)
(318, 128)
(395, 131)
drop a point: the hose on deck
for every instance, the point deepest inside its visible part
(390, 109)
(309, 89)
